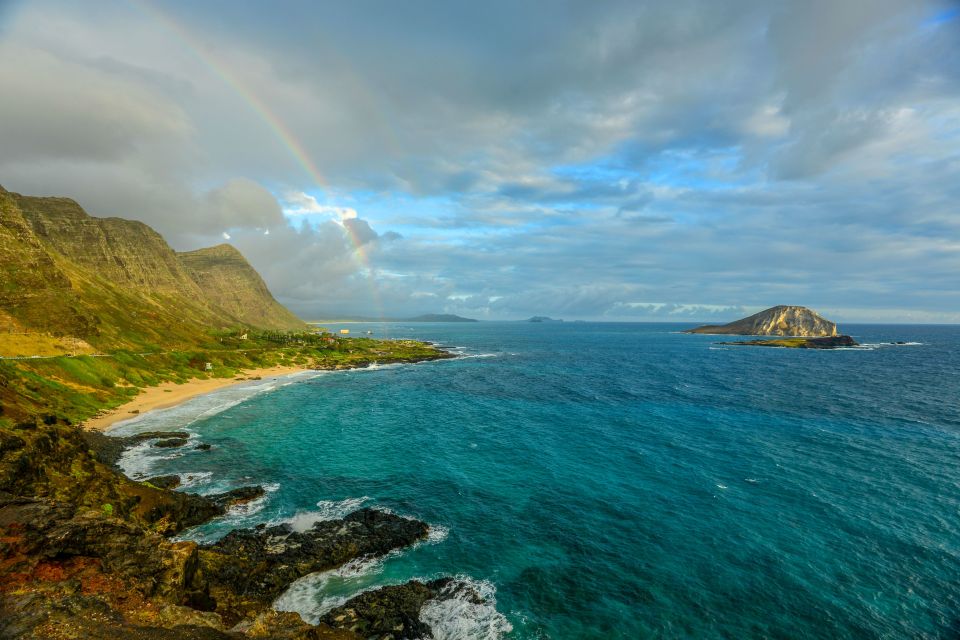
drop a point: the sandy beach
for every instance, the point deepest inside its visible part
(170, 394)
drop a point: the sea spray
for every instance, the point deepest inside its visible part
(465, 609)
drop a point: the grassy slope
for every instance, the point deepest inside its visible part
(43, 291)
(73, 284)
(76, 388)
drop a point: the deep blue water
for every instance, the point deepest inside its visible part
(621, 480)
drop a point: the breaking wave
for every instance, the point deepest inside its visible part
(457, 614)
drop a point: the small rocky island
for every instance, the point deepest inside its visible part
(828, 342)
(799, 328)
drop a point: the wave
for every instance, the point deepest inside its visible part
(880, 345)
(247, 509)
(437, 534)
(456, 614)
(194, 479)
(238, 516)
(342, 584)
(327, 510)
(205, 405)
(318, 593)
(138, 461)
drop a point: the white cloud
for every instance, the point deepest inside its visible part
(298, 203)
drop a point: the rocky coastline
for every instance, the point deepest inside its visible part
(827, 342)
(86, 552)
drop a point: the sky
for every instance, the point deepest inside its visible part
(689, 160)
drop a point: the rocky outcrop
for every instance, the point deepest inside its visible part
(830, 342)
(388, 612)
(108, 449)
(85, 574)
(396, 612)
(249, 569)
(83, 554)
(229, 282)
(782, 320)
(54, 461)
(170, 443)
(234, 497)
(171, 481)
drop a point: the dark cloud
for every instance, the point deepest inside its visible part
(603, 159)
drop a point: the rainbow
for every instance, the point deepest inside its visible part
(221, 71)
(269, 118)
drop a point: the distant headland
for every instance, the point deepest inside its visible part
(439, 317)
(426, 317)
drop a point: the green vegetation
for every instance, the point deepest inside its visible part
(98, 308)
(825, 342)
(790, 343)
(76, 388)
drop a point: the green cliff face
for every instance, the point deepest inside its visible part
(230, 284)
(116, 283)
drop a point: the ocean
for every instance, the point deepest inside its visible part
(604, 480)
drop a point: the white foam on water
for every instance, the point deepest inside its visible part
(237, 516)
(721, 486)
(247, 509)
(455, 615)
(327, 510)
(349, 581)
(376, 366)
(206, 405)
(880, 345)
(437, 534)
(192, 479)
(137, 461)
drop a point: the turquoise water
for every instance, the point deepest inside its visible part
(620, 480)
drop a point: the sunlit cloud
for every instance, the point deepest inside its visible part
(298, 203)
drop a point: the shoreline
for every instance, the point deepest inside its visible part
(170, 394)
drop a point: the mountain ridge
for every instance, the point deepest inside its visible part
(230, 283)
(117, 283)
